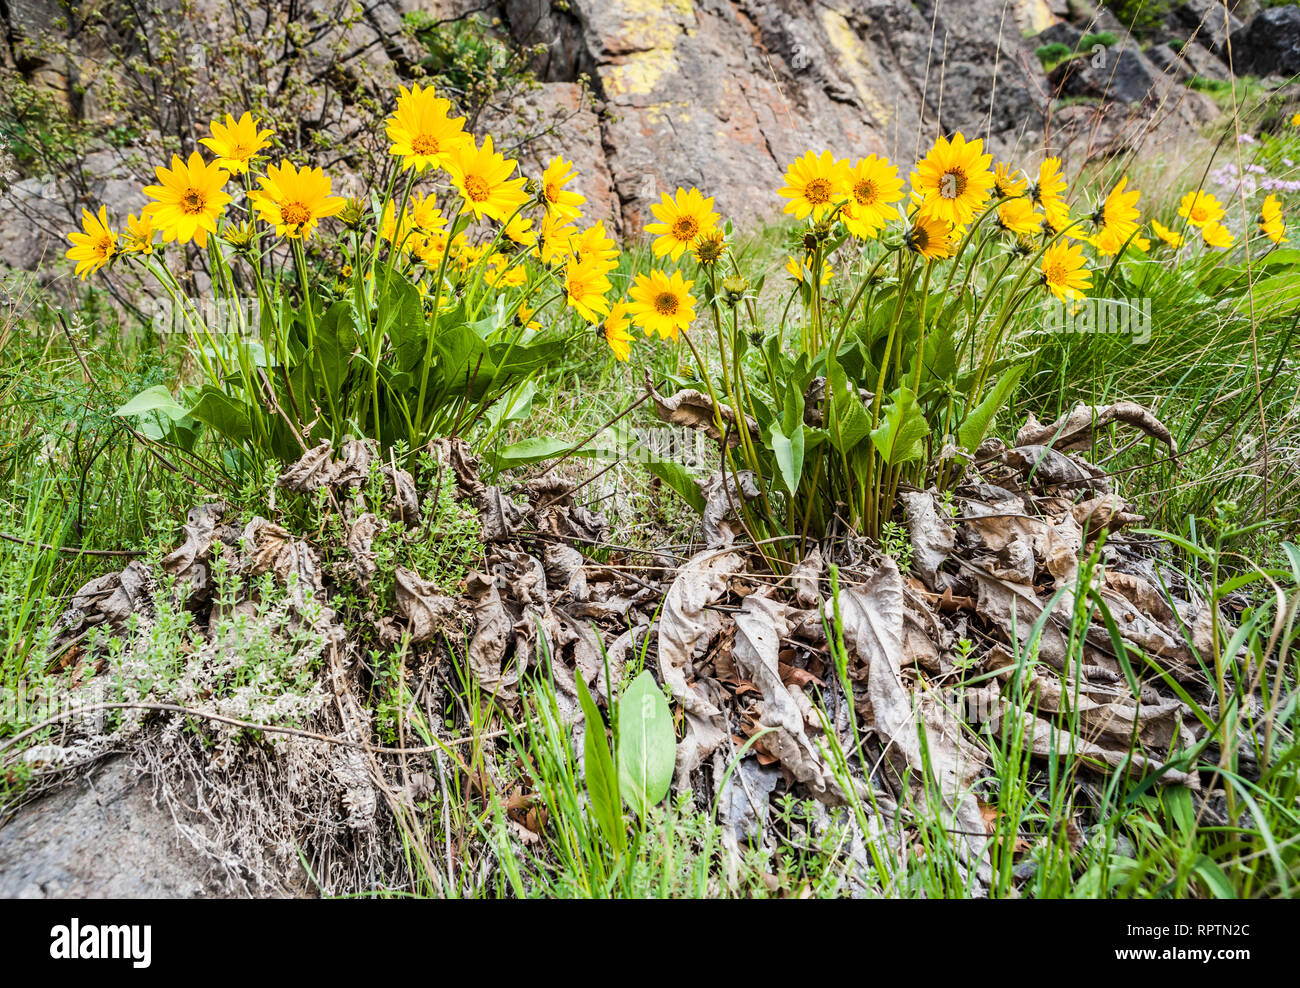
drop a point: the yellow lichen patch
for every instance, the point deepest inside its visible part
(1034, 16)
(851, 55)
(639, 72)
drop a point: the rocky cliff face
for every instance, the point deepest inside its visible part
(723, 94)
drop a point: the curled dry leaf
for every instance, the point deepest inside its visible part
(189, 562)
(1076, 429)
(932, 537)
(1047, 467)
(696, 410)
(360, 542)
(684, 625)
(420, 603)
(760, 626)
(492, 631)
(723, 501)
(806, 578)
(872, 618)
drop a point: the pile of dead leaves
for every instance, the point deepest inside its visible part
(749, 656)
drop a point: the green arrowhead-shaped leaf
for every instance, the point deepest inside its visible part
(602, 778)
(976, 426)
(900, 438)
(647, 744)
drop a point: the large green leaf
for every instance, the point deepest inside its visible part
(527, 451)
(900, 438)
(223, 414)
(647, 745)
(150, 401)
(787, 440)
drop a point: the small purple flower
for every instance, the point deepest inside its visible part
(1246, 139)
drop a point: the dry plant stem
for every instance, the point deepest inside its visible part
(233, 722)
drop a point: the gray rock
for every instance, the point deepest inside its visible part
(1270, 44)
(1191, 61)
(1119, 74)
(1209, 23)
(1061, 33)
(101, 836)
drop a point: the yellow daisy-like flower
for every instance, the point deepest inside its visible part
(524, 316)
(1107, 242)
(1119, 214)
(92, 248)
(801, 271)
(294, 200)
(1019, 217)
(555, 244)
(682, 217)
(429, 249)
(616, 334)
(586, 284)
(815, 184)
(593, 244)
(138, 238)
(425, 214)
(560, 200)
(1295, 120)
(1172, 237)
(1048, 193)
(520, 230)
(1271, 223)
(709, 248)
(482, 176)
(1065, 272)
(1217, 235)
(1006, 183)
(422, 133)
(509, 277)
(873, 184)
(661, 304)
(930, 236)
(1200, 208)
(188, 199)
(236, 142)
(954, 179)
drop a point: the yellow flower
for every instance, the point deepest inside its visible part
(1271, 223)
(557, 175)
(930, 237)
(709, 248)
(682, 218)
(509, 277)
(661, 304)
(814, 184)
(594, 245)
(1064, 271)
(1217, 235)
(188, 200)
(294, 200)
(524, 315)
(585, 285)
(1107, 242)
(92, 249)
(429, 249)
(520, 230)
(616, 334)
(1200, 208)
(1295, 120)
(1048, 194)
(1172, 237)
(139, 235)
(483, 179)
(556, 241)
(873, 184)
(425, 214)
(1018, 216)
(954, 179)
(403, 234)
(802, 270)
(1008, 184)
(1119, 214)
(422, 133)
(235, 143)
